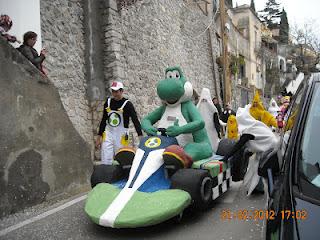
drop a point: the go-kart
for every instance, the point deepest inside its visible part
(153, 192)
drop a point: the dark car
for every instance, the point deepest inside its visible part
(293, 173)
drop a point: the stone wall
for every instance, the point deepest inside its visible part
(140, 41)
(145, 38)
(63, 37)
(43, 157)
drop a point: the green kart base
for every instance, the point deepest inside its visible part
(143, 209)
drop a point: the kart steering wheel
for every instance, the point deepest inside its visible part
(163, 131)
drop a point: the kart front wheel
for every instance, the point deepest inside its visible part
(106, 174)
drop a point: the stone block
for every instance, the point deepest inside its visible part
(113, 34)
(112, 4)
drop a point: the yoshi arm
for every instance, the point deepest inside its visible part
(172, 92)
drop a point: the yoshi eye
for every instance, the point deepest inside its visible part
(176, 74)
(173, 74)
(169, 74)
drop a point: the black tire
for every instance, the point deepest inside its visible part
(106, 174)
(177, 219)
(197, 183)
(225, 146)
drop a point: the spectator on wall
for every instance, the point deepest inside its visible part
(5, 26)
(29, 40)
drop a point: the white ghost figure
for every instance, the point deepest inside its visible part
(207, 109)
(264, 139)
(273, 107)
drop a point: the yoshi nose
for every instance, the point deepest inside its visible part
(170, 90)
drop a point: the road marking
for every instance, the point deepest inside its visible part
(41, 216)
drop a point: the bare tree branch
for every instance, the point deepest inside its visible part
(306, 34)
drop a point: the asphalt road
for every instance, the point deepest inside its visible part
(67, 220)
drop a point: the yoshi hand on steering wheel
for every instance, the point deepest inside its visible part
(158, 131)
(171, 131)
(174, 130)
(151, 130)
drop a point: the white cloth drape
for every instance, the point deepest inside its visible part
(264, 140)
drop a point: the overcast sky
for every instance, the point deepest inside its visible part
(25, 15)
(298, 11)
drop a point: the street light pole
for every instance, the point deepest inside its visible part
(225, 67)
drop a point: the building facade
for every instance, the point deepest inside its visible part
(249, 24)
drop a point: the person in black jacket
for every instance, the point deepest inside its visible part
(226, 113)
(29, 40)
(216, 117)
(217, 104)
(113, 130)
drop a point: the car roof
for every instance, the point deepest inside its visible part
(307, 82)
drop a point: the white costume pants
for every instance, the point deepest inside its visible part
(111, 144)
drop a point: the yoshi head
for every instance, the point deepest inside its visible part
(174, 89)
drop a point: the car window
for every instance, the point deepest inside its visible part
(289, 120)
(310, 148)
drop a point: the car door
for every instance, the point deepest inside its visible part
(306, 168)
(279, 227)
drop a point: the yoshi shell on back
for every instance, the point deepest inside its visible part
(179, 115)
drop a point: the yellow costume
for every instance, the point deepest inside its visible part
(291, 120)
(259, 113)
(232, 127)
(285, 99)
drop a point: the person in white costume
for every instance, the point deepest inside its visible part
(209, 114)
(263, 140)
(258, 138)
(113, 130)
(273, 108)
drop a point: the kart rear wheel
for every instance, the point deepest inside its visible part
(197, 183)
(106, 174)
(225, 146)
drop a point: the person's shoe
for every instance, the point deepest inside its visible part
(175, 157)
(125, 156)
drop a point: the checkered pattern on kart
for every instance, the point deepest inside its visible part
(221, 183)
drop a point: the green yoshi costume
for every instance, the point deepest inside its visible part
(181, 119)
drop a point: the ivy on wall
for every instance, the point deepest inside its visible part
(235, 63)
